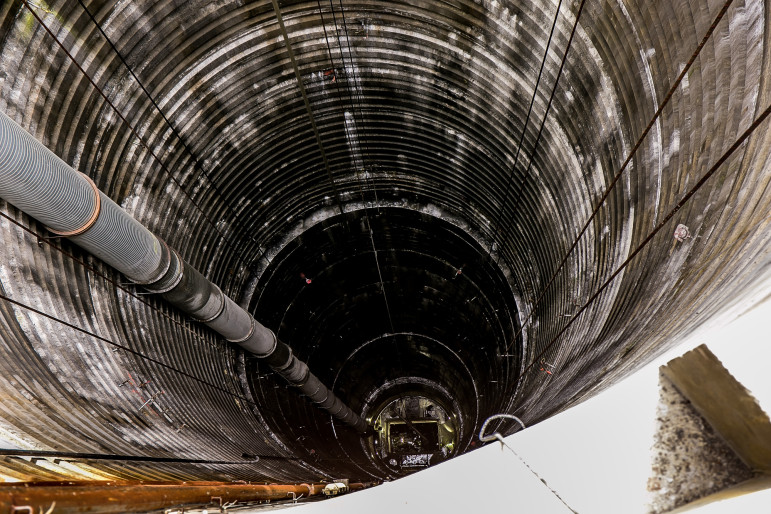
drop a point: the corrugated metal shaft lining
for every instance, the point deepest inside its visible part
(190, 117)
(40, 184)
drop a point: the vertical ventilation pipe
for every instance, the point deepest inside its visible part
(37, 182)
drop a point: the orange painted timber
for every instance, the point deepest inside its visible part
(142, 496)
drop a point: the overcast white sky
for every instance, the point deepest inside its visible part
(597, 455)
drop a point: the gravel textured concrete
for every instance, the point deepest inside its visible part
(690, 460)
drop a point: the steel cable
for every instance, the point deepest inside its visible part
(47, 240)
(131, 458)
(122, 347)
(306, 101)
(133, 131)
(353, 150)
(529, 168)
(524, 126)
(196, 161)
(535, 147)
(746, 134)
(621, 170)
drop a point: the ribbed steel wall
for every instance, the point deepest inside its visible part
(437, 94)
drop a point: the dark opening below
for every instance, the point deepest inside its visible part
(441, 327)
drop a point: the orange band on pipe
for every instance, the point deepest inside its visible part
(91, 220)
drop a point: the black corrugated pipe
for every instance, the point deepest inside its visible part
(40, 184)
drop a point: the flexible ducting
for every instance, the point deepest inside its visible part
(40, 184)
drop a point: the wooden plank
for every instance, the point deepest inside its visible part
(726, 405)
(750, 486)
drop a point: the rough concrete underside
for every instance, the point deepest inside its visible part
(690, 460)
(409, 122)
